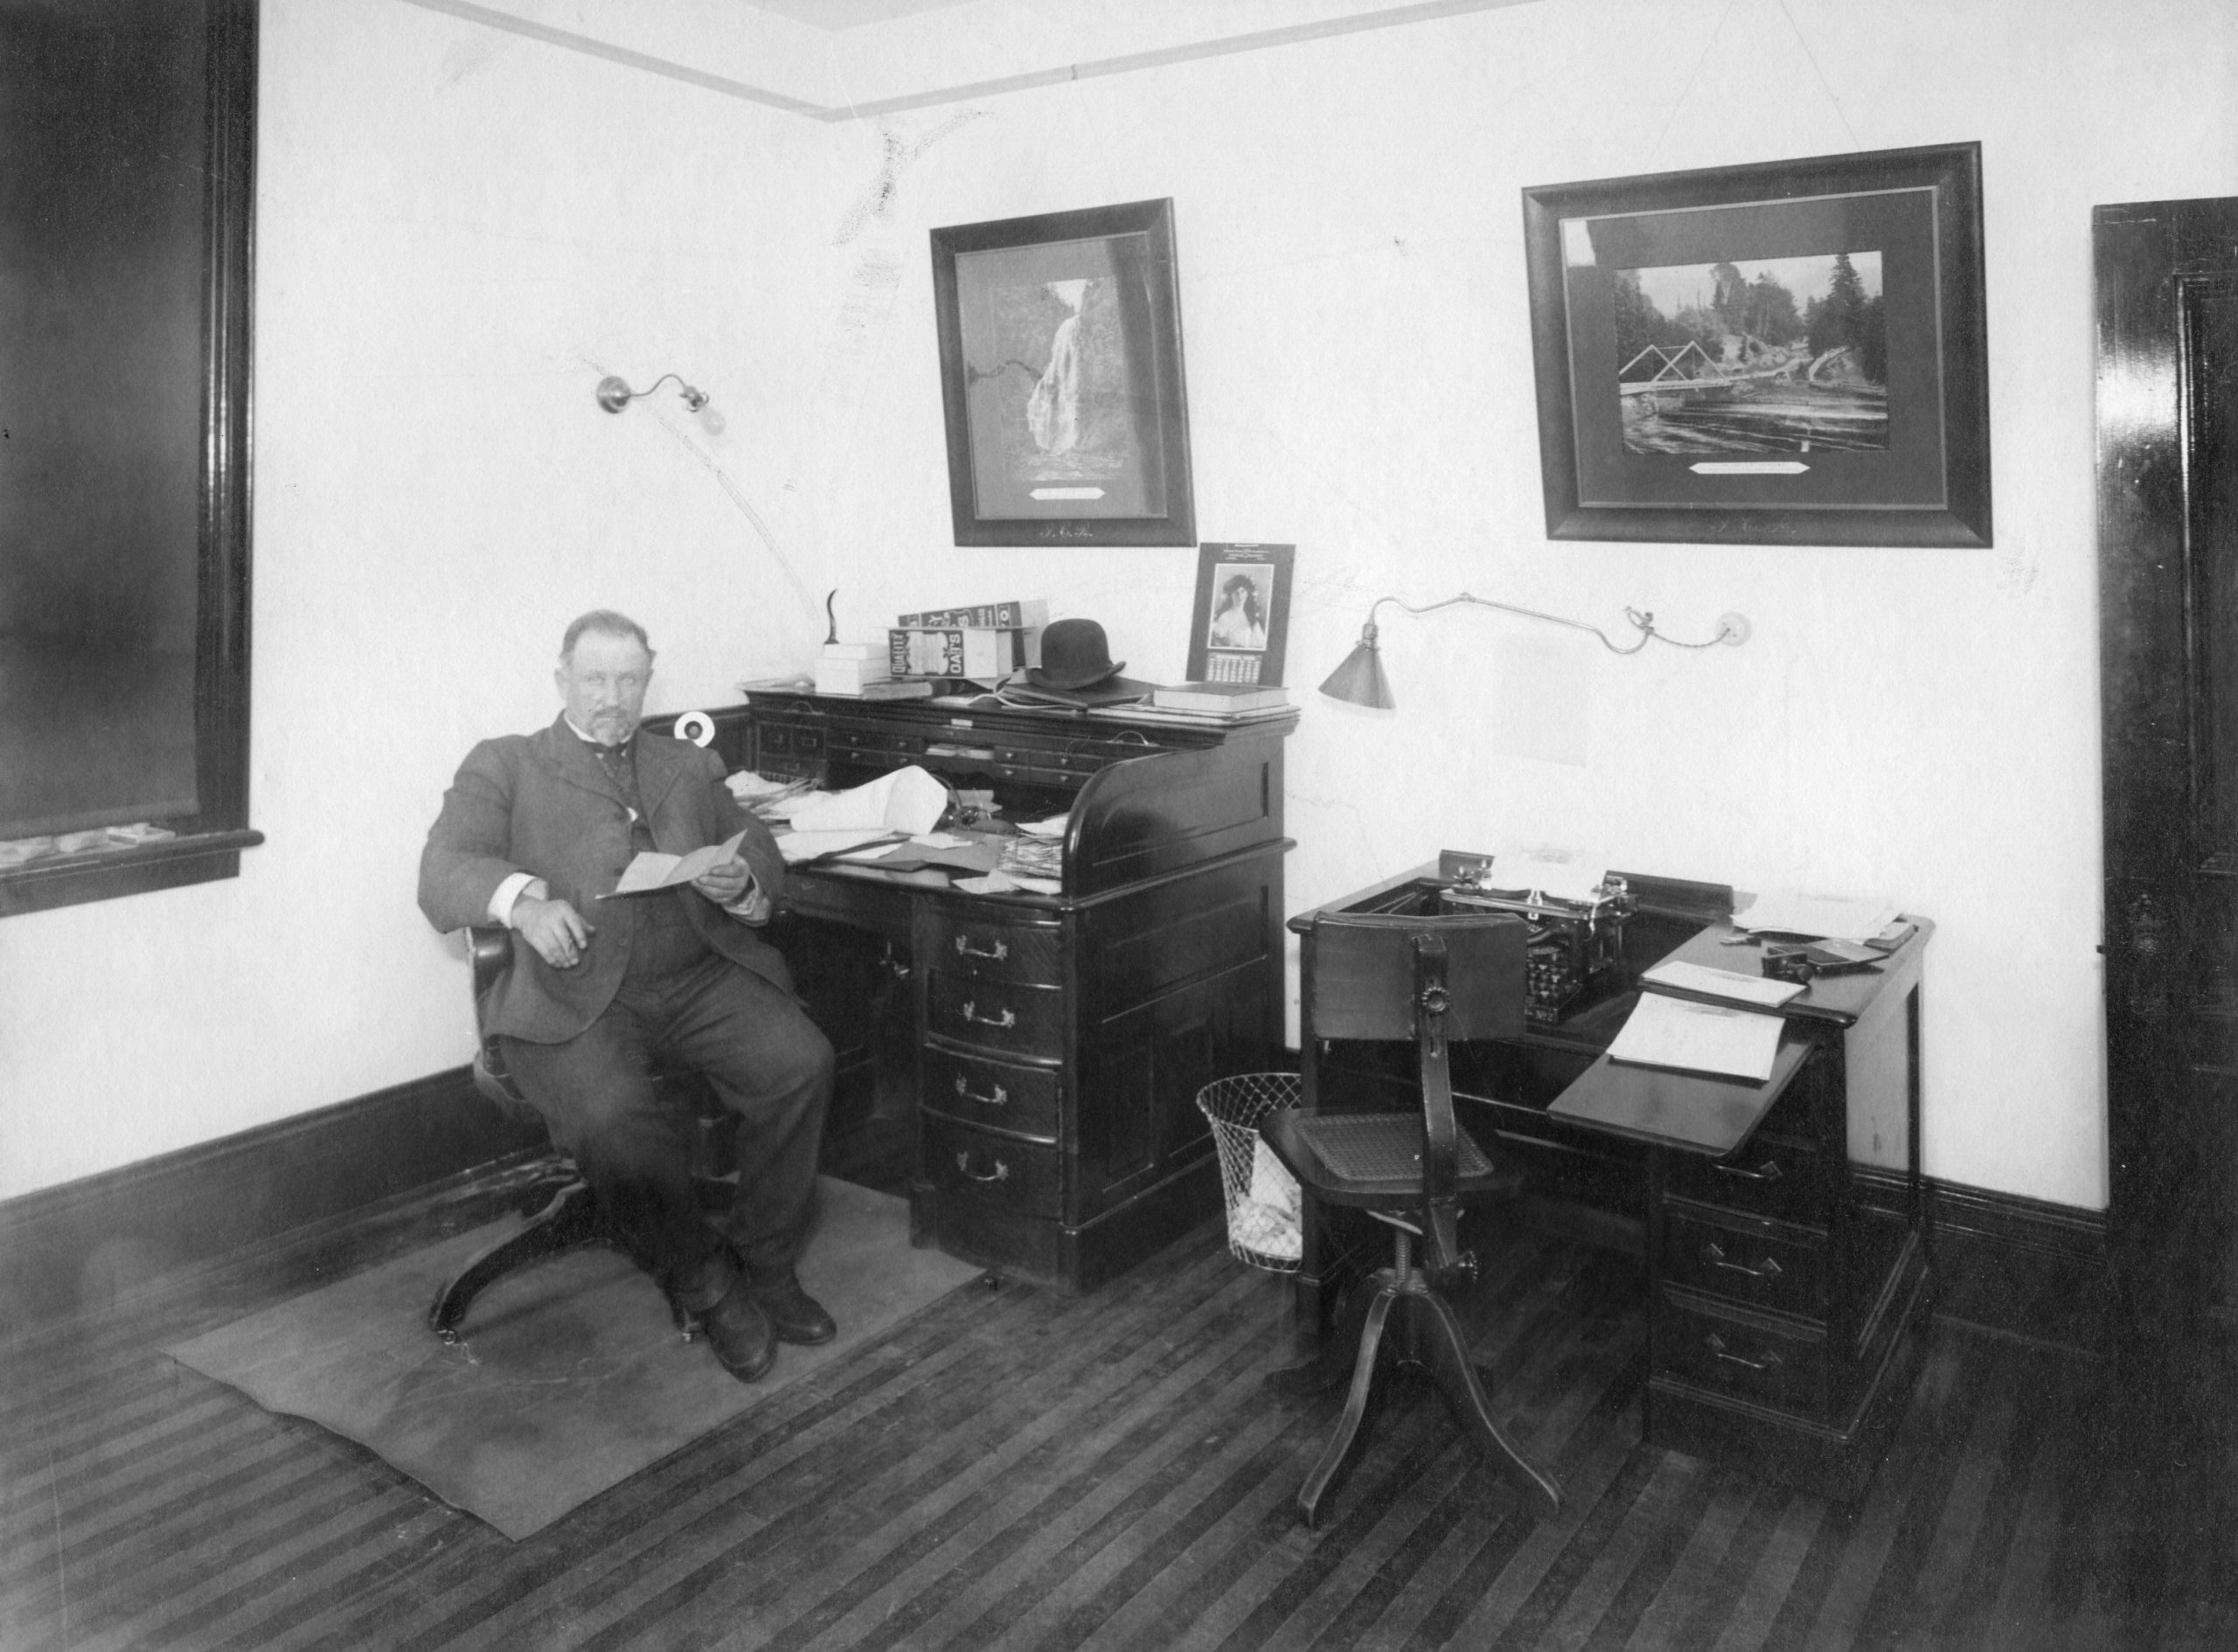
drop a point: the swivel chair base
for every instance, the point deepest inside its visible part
(572, 1218)
(1426, 1339)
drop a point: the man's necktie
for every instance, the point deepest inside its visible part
(614, 760)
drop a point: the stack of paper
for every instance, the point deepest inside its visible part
(1789, 912)
(1698, 1038)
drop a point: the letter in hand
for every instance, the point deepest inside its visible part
(558, 932)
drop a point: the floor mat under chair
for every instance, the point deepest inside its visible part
(571, 1376)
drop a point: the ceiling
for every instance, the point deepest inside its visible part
(848, 14)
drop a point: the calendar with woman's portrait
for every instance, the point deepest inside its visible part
(1243, 600)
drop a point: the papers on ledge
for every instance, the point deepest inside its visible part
(1722, 983)
(652, 870)
(1789, 912)
(1698, 1038)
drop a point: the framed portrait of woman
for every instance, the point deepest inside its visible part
(1243, 613)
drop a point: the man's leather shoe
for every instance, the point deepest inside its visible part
(742, 1336)
(798, 1317)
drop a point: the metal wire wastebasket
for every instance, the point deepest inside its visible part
(1261, 1196)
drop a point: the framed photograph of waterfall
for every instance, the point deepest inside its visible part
(1786, 353)
(1060, 377)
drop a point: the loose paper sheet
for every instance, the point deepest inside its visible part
(1721, 983)
(796, 847)
(652, 870)
(1698, 1038)
(907, 801)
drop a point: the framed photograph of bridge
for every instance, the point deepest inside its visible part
(1785, 353)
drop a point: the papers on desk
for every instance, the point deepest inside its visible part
(1789, 912)
(908, 802)
(1553, 877)
(1721, 983)
(1698, 1038)
(652, 870)
(797, 847)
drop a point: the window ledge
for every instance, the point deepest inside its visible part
(67, 880)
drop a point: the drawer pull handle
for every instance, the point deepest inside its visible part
(1000, 1098)
(1770, 1173)
(995, 953)
(1769, 1362)
(1008, 1018)
(1713, 1252)
(1002, 1171)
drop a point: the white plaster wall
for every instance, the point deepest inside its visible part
(1917, 723)
(460, 230)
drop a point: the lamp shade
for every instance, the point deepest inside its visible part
(1360, 678)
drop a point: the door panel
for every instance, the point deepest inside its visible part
(2167, 413)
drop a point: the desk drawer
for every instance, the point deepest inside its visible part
(1745, 1260)
(960, 943)
(1772, 1176)
(1003, 1017)
(1734, 1352)
(1019, 1177)
(995, 1094)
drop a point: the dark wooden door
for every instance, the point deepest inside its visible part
(2167, 413)
(2167, 416)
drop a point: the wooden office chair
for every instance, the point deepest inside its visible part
(570, 1217)
(1431, 980)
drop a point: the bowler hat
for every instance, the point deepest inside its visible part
(1074, 655)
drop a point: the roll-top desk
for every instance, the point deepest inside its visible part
(1048, 1047)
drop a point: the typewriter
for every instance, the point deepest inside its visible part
(1573, 942)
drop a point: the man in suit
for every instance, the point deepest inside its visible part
(534, 831)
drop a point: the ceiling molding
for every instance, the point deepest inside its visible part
(1123, 63)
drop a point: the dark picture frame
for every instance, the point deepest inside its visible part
(1242, 620)
(199, 382)
(1061, 379)
(1792, 353)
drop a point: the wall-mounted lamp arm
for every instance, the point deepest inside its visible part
(614, 394)
(1360, 678)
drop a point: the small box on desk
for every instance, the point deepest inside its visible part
(962, 651)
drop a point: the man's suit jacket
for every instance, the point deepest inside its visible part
(542, 803)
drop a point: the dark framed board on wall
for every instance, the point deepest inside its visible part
(1785, 353)
(127, 131)
(1061, 382)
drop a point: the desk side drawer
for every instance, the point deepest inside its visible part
(963, 943)
(1025, 1100)
(1773, 1176)
(1731, 1351)
(974, 1166)
(1002, 1017)
(1748, 1260)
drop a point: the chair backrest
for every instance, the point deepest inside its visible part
(1428, 980)
(1363, 982)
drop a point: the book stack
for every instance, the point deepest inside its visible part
(1223, 702)
(860, 671)
(986, 642)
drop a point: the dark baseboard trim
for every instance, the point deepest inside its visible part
(87, 1242)
(2014, 1266)
(2021, 1267)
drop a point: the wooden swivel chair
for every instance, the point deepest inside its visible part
(570, 1217)
(1429, 980)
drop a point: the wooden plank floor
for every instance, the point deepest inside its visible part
(1015, 1469)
